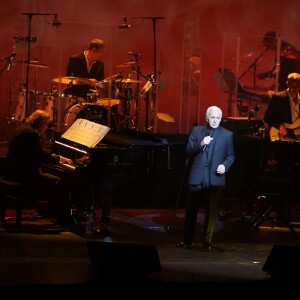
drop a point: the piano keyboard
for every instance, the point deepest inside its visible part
(70, 167)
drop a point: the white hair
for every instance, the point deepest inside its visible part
(212, 108)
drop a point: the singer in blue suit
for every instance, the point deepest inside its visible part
(211, 149)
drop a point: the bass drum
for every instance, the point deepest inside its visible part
(92, 112)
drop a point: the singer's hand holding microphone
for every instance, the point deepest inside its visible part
(206, 141)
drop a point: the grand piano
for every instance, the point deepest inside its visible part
(126, 158)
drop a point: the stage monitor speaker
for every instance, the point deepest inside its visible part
(122, 261)
(283, 262)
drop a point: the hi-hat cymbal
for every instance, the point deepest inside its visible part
(129, 80)
(130, 64)
(35, 64)
(72, 80)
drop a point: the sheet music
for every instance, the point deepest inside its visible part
(86, 132)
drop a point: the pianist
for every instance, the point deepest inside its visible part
(24, 164)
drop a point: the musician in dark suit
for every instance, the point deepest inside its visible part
(212, 152)
(283, 109)
(86, 65)
(24, 161)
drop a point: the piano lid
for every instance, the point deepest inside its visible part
(133, 138)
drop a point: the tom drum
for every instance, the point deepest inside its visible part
(68, 101)
(105, 91)
(20, 110)
(36, 100)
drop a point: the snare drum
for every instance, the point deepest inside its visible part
(91, 97)
(107, 102)
(91, 112)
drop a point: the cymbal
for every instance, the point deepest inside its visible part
(72, 80)
(35, 64)
(129, 80)
(130, 64)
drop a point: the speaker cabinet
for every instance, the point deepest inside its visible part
(283, 262)
(122, 261)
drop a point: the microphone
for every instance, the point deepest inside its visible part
(124, 25)
(205, 146)
(10, 56)
(55, 22)
(134, 54)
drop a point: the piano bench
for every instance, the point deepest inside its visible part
(11, 191)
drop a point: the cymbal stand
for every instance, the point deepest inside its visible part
(126, 95)
(147, 101)
(136, 96)
(36, 101)
(154, 87)
(8, 66)
(145, 91)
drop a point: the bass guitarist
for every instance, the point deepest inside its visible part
(282, 115)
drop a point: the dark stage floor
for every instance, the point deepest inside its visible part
(139, 249)
(41, 256)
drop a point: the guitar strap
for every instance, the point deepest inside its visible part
(294, 104)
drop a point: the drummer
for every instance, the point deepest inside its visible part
(88, 67)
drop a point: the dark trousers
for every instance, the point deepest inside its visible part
(209, 198)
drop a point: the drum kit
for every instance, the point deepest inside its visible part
(109, 101)
(36, 99)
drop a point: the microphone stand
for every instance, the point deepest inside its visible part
(254, 68)
(154, 90)
(150, 79)
(136, 94)
(30, 15)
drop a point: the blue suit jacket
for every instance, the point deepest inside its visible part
(220, 151)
